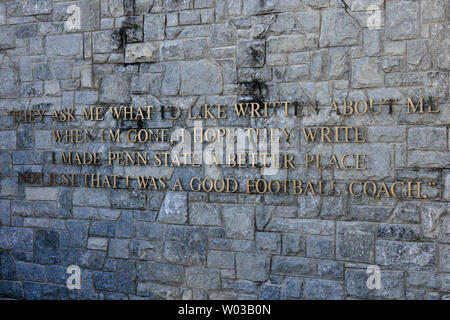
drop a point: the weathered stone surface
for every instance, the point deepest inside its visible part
(238, 222)
(141, 52)
(167, 244)
(200, 77)
(427, 138)
(268, 242)
(254, 267)
(9, 87)
(222, 35)
(118, 248)
(320, 247)
(221, 259)
(154, 27)
(152, 271)
(90, 197)
(92, 260)
(16, 238)
(270, 292)
(444, 258)
(34, 7)
(30, 271)
(77, 233)
(287, 44)
(323, 290)
(174, 208)
(406, 255)
(439, 45)
(97, 243)
(202, 278)
(105, 41)
(64, 46)
(392, 286)
(251, 53)
(46, 247)
(294, 266)
(366, 72)
(400, 23)
(305, 226)
(186, 245)
(90, 14)
(293, 244)
(7, 39)
(115, 89)
(204, 214)
(355, 242)
(338, 28)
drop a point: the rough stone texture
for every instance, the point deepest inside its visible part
(141, 52)
(399, 24)
(147, 244)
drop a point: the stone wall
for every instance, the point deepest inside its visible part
(140, 244)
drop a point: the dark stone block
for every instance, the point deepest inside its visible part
(186, 245)
(30, 271)
(103, 228)
(269, 292)
(92, 260)
(105, 280)
(65, 203)
(11, 289)
(32, 291)
(125, 227)
(78, 232)
(20, 239)
(7, 266)
(51, 292)
(26, 31)
(25, 136)
(56, 274)
(46, 247)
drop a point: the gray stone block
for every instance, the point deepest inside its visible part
(30, 271)
(355, 242)
(118, 248)
(154, 26)
(202, 278)
(174, 208)
(16, 238)
(323, 290)
(406, 255)
(399, 24)
(9, 87)
(221, 259)
(115, 89)
(270, 292)
(46, 247)
(35, 7)
(392, 286)
(65, 46)
(166, 273)
(204, 214)
(251, 266)
(238, 221)
(185, 245)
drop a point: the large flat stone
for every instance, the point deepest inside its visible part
(401, 19)
(115, 89)
(141, 52)
(64, 46)
(185, 245)
(200, 78)
(338, 28)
